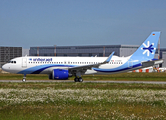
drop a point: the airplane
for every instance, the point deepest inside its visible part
(61, 68)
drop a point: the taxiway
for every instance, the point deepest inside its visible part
(89, 81)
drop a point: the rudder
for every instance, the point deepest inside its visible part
(148, 48)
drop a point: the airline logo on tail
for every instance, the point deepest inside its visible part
(148, 48)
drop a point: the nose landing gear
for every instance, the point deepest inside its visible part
(24, 78)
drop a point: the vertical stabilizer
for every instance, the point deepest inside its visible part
(148, 48)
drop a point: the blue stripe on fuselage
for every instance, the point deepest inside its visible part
(40, 68)
(119, 69)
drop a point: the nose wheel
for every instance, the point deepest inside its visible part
(24, 78)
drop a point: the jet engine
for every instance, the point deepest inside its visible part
(59, 74)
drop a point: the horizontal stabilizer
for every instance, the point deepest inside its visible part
(151, 63)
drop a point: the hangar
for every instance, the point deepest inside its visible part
(8, 53)
(90, 50)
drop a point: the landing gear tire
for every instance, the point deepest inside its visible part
(78, 79)
(24, 79)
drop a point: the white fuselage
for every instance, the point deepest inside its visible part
(31, 64)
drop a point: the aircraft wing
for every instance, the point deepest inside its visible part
(83, 68)
(151, 63)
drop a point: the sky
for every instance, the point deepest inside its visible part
(31, 23)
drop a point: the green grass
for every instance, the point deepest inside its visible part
(101, 86)
(122, 76)
(9, 76)
(76, 101)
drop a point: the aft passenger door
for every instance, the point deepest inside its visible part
(130, 64)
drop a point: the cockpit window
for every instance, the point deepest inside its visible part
(10, 62)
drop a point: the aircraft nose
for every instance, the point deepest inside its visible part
(4, 67)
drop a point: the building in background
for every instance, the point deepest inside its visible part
(25, 52)
(163, 56)
(8, 53)
(91, 50)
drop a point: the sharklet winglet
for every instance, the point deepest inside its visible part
(109, 58)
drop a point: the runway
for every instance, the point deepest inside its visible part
(88, 81)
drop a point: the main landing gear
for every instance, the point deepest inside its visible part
(76, 79)
(24, 78)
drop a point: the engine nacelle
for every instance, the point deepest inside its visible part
(59, 74)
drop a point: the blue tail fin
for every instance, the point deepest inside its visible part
(148, 48)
